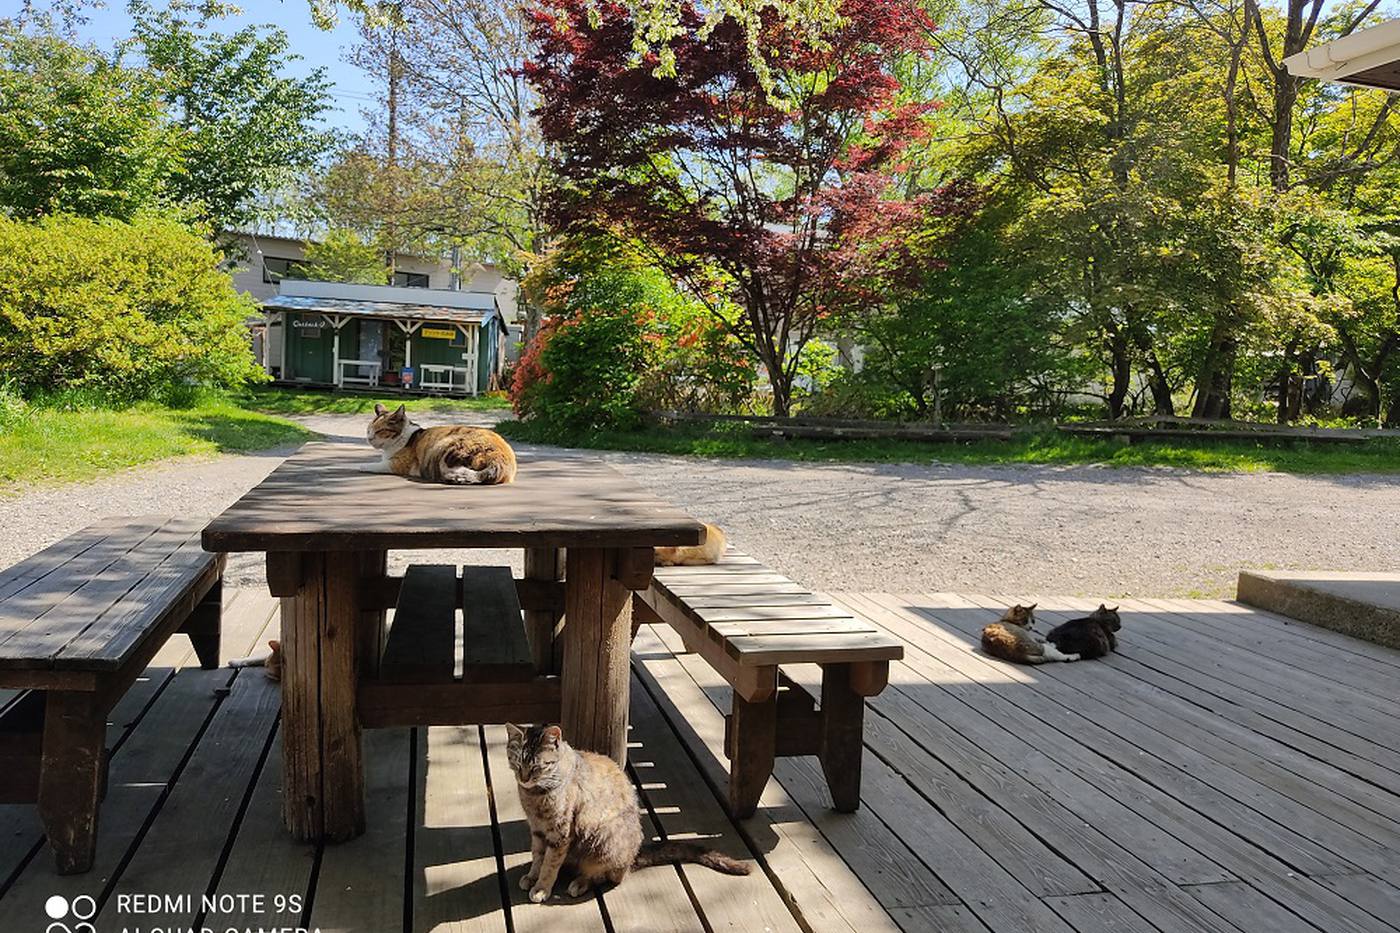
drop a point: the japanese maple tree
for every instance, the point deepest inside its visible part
(747, 186)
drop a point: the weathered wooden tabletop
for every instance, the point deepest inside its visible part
(319, 499)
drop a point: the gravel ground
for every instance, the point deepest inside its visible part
(890, 527)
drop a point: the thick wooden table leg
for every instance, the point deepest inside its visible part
(70, 776)
(754, 733)
(843, 717)
(543, 563)
(322, 769)
(598, 609)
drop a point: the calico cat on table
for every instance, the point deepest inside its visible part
(454, 454)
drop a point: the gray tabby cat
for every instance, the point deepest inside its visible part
(583, 811)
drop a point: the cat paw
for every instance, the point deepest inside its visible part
(528, 882)
(539, 895)
(579, 886)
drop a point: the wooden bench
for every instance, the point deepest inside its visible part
(747, 622)
(79, 621)
(419, 681)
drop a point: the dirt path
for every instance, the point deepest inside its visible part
(894, 527)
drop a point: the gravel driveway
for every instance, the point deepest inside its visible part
(890, 527)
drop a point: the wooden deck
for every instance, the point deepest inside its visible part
(1227, 770)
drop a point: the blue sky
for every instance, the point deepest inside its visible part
(352, 88)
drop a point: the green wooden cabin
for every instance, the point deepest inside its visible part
(372, 336)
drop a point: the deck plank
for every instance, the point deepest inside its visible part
(455, 882)
(687, 809)
(360, 886)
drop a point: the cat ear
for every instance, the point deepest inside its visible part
(275, 645)
(402, 412)
(554, 734)
(1114, 609)
(1102, 608)
(1031, 606)
(515, 733)
(379, 410)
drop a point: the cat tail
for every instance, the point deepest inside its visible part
(1053, 653)
(671, 853)
(257, 660)
(466, 476)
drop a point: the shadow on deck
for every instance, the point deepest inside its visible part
(1224, 771)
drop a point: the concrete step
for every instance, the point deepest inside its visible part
(1362, 604)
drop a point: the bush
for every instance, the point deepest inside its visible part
(117, 311)
(620, 340)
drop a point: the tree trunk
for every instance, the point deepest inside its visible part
(1122, 365)
(1216, 378)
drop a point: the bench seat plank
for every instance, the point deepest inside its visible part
(816, 648)
(421, 645)
(818, 611)
(493, 630)
(789, 627)
(95, 612)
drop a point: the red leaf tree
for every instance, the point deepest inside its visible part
(715, 168)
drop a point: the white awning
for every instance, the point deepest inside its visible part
(1369, 58)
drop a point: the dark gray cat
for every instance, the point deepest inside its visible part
(1089, 637)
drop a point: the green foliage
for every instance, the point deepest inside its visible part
(80, 132)
(621, 340)
(245, 125)
(125, 311)
(343, 256)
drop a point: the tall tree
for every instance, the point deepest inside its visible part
(80, 132)
(247, 125)
(722, 169)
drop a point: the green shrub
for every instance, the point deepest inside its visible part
(103, 311)
(621, 340)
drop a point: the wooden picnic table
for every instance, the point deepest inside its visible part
(326, 526)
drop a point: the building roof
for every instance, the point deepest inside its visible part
(383, 301)
(1368, 58)
(383, 309)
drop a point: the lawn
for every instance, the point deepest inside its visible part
(1044, 447)
(52, 445)
(281, 401)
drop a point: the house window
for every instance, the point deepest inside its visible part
(410, 279)
(277, 268)
(459, 340)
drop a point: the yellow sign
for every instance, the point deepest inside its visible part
(439, 333)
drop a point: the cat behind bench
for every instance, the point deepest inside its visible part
(456, 454)
(584, 813)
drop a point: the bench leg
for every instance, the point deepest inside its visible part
(754, 733)
(71, 775)
(842, 721)
(203, 627)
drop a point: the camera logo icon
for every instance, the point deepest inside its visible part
(70, 916)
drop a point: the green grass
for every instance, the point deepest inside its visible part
(46, 445)
(1044, 447)
(310, 402)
